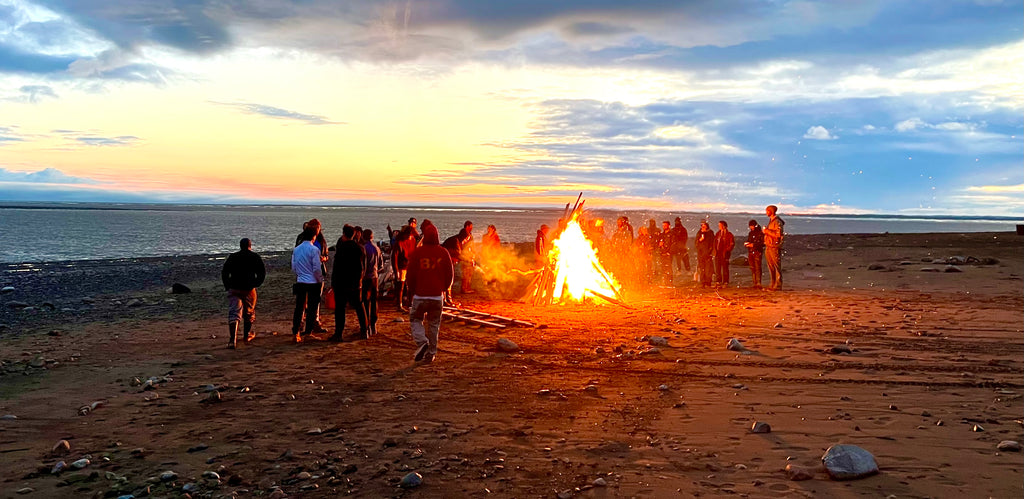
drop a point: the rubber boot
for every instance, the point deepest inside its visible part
(232, 333)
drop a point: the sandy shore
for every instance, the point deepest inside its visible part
(586, 397)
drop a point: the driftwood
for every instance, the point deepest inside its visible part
(483, 318)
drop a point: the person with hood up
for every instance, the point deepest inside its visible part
(430, 275)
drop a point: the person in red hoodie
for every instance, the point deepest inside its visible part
(430, 274)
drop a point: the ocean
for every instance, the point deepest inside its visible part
(38, 232)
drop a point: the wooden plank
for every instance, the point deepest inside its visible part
(473, 320)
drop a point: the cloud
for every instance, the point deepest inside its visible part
(45, 176)
(279, 113)
(818, 132)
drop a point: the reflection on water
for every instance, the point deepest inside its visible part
(87, 232)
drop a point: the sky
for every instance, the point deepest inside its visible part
(909, 107)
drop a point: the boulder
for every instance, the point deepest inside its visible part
(848, 462)
(180, 289)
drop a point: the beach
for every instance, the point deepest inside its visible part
(875, 341)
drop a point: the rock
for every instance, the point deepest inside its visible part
(507, 345)
(876, 266)
(211, 475)
(929, 269)
(841, 349)
(8, 417)
(58, 468)
(134, 302)
(978, 428)
(180, 289)
(304, 475)
(277, 494)
(1009, 446)
(314, 431)
(600, 482)
(956, 260)
(848, 462)
(658, 341)
(17, 304)
(197, 448)
(892, 407)
(952, 268)
(25, 490)
(565, 494)
(590, 388)
(411, 480)
(167, 476)
(663, 388)
(189, 488)
(6, 289)
(213, 397)
(799, 473)
(759, 427)
(61, 448)
(80, 464)
(926, 414)
(735, 345)
(48, 305)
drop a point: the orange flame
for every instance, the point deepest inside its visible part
(578, 272)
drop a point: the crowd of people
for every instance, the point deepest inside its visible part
(420, 269)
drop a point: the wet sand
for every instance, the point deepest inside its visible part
(321, 420)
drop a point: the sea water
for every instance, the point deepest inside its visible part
(37, 232)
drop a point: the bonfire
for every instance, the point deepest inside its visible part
(573, 272)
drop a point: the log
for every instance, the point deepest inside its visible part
(609, 299)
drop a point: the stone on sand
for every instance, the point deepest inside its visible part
(735, 345)
(7, 289)
(760, 427)
(58, 468)
(168, 476)
(507, 345)
(952, 268)
(180, 289)
(61, 448)
(411, 480)
(80, 464)
(658, 341)
(1009, 446)
(841, 349)
(799, 473)
(848, 462)
(876, 266)
(600, 482)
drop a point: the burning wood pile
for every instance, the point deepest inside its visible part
(572, 271)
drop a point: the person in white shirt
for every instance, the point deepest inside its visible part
(309, 284)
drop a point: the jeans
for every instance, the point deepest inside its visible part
(429, 310)
(369, 299)
(307, 297)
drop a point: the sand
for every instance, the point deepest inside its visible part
(586, 397)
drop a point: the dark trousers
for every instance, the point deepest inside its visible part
(681, 258)
(343, 298)
(307, 297)
(722, 267)
(773, 256)
(754, 259)
(369, 299)
(705, 268)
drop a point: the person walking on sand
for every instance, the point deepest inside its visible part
(724, 244)
(243, 272)
(374, 264)
(309, 284)
(755, 250)
(347, 281)
(773, 233)
(704, 241)
(430, 274)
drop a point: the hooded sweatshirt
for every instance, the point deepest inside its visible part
(430, 267)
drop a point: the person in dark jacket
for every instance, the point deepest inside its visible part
(430, 276)
(347, 281)
(724, 244)
(680, 255)
(243, 272)
(755, 251)
(704, 241)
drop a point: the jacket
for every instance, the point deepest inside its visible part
(724, 242)
(704, 241)
(349, 265)
(756, 240)
(243, 270)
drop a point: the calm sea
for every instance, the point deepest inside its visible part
(39, 232)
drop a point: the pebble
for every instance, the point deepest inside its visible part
(168, 476)
(600, 482)
(197, 448)
(25, 490)
(8, 417)
(565, 494)
(277, 494)
(213, 397)
(411, 480)
(926, 414)
(134, 302)
(978, 428)
(189, 488)
(590, 389)
(735, 345)
(81, 463)
(798, 473)
(305, 475)
(17, 304)
(663, 387)
(841, 349)
(59, 468)
(212, 475)
(507, 345)
(658, 341)
(1009, 446)
(314, 431)
(7, 289)
(60, 448)
(876, 266)
(952, 268)
(848, 462)
(760, 427)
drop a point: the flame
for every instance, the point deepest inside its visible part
(578, 272)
